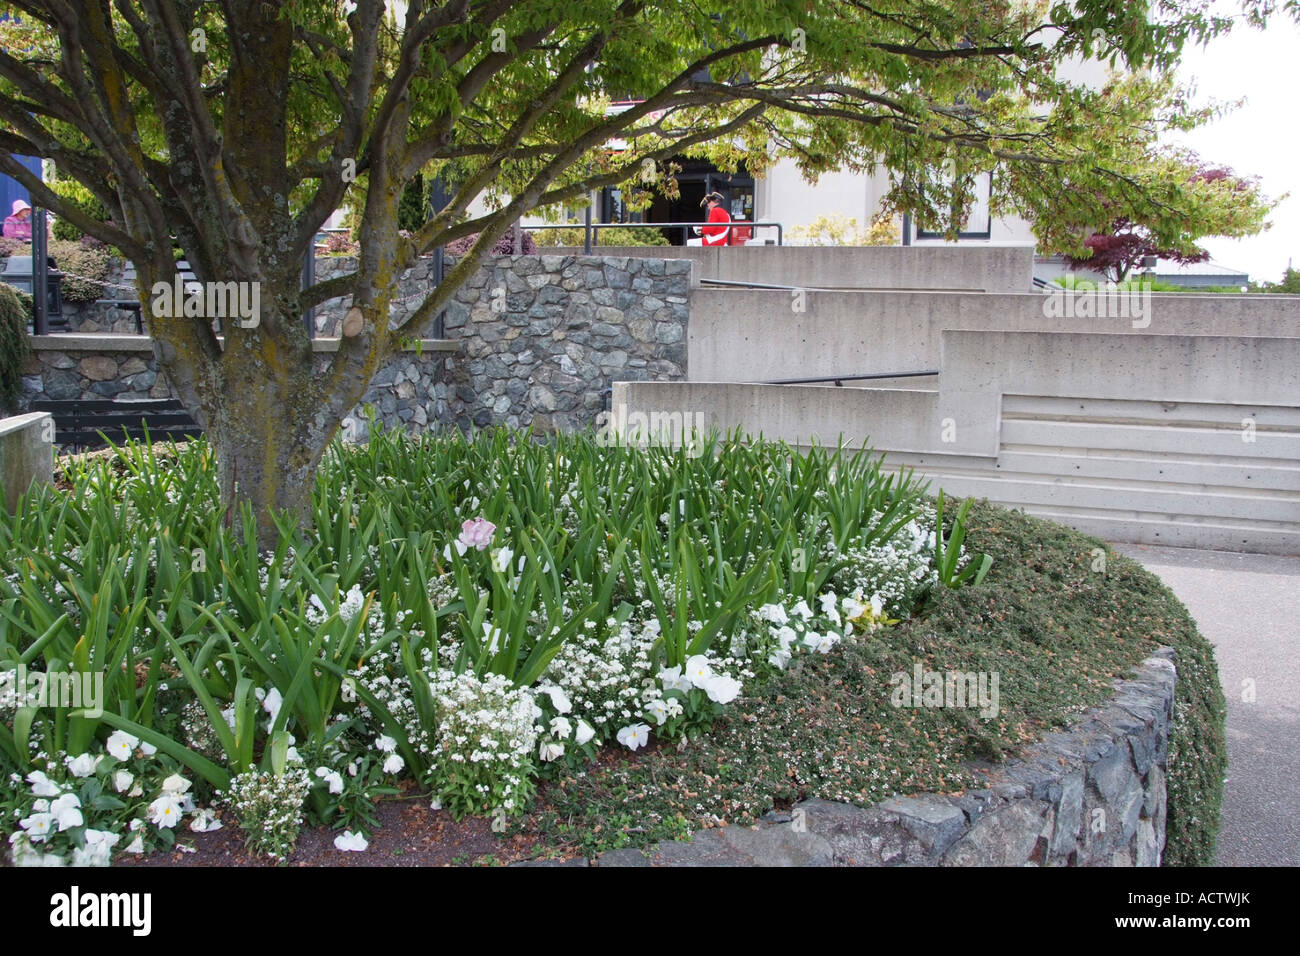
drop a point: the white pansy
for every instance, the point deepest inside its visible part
(877, 606)
(175, 785)
(658, 710)
(584, 733)
(559, 699)
(774, 613)
(42, 786)
(549, 751)
(673, 707)
(350, 842)
(271, 703)
(205, 821)
(852, 607)
(821, 643)
(394, 764)
(501, 559)
(147, 748)
(165, 811)
(561, 727)
(82, 766)
(722, 689)
(385, 744)
(802, 610)
(67, 811)
(828, 602)
(121, 744)
(331, 777)
(634, 736)
(698, 671)
(38, 825)
(136, 845)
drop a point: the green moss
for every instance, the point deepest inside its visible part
(1057, 632)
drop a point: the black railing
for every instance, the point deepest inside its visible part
(841, 379)
(591, 230)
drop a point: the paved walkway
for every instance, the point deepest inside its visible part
(1248, 606)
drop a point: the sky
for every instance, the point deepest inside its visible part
(1261, 138)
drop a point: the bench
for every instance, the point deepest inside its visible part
(133, 305)
(78, 423)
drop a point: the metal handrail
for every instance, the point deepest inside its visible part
(841, 379)
(592, 228)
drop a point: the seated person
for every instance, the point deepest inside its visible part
(18, 225)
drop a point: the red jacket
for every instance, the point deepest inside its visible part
(716, 235)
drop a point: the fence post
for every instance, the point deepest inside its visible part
(40, 275)
(586, 240)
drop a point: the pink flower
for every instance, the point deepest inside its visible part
(477, 533)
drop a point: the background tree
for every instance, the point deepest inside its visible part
(235, 128)
(1233, 202)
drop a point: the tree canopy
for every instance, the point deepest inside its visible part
(237, 127)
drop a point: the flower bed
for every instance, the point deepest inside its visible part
(471, 617)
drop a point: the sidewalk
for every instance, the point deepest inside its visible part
(1248, 606)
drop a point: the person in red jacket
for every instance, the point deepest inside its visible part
(715, 235)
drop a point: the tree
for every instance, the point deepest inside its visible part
(235, 128)
(1233, 203)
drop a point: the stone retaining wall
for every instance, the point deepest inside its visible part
(1093, 795)
(529, 341)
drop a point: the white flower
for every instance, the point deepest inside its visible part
(121, 744)
(331, 777)
(292, 756)
(634, 736)
(175, 785)
(802, 610)
(585, 733)
(877, 606)
(559, 699)
(673, 707)
(42, 786)
(658, 710)
(672, 679)
(165, 811)
(828, 602)
(774, 613)
(394, 764)
(501, 559)
(779, 659)
(550, 751)
(385, 744)
(205, 821)
(67, 810)
(561, 727)
(822, 643)
(82, 766)
(698, 671)
(852, 608)
(98, 850)
(271, 704)
(722, 689)
(348, 841)
(136, 845)
(147, 749)
(493, 637)
(37, 825)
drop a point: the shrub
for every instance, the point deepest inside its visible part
(269, 808)
(83, 259)
(841, 230)
(14, 247)
(14, 347)
(77, 195)
(604, 237)
(504, 246)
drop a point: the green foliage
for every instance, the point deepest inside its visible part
(604, 237)
(82, 259)
(1290, 284)
(77, 195)
(1058, 632)
(14, 347)
(412, 211)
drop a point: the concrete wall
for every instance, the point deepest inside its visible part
(1185, 433)
(756, 335)
(981, 269)
(26, 454)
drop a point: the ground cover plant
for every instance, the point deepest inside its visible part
(466, 616)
